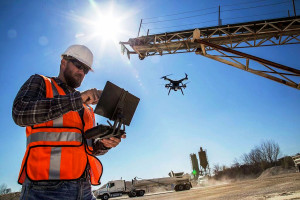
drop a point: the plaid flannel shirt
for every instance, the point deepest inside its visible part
(31, 106)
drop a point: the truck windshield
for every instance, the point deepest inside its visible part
(103, 186)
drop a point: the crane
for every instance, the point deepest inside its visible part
(220, 43)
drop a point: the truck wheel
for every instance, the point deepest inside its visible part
(132, 194)
(180, 187)
(176, 188)
(105, 197)
(140, 193)
(187, 186)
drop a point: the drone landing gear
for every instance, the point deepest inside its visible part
(181, 91)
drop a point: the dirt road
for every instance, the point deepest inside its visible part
(279, 187)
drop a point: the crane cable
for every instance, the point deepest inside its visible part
(216, 12)
(201, 10)
(215, 20)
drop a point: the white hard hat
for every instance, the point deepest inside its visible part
(81, 53)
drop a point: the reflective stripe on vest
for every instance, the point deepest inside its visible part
(59, 121)
(90, 141)
(55, 158)
(54, 137)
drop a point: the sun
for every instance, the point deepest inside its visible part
(107, 26)
(104, 22)
(102, 25)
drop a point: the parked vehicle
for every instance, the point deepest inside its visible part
(138, 187)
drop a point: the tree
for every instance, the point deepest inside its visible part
(216, 169)
(254, 157)
(236, 163)
(3, 188)
(270, 151)
(266, 152)
(246, 159)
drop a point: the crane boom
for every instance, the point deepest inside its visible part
(223, 40)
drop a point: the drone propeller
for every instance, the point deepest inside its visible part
(184, 85)
(181, 91)
(166, 76)
(186, 76)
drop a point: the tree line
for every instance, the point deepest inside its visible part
(259, 158)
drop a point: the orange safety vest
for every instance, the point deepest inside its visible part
(56, 149)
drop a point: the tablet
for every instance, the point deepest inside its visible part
(113, 99)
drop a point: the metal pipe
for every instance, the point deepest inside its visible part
(261, 60)
(294, 8)
(140, 27)
(219, 20)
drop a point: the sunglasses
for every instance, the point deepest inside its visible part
(80, 66)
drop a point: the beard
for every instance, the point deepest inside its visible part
(73, 80)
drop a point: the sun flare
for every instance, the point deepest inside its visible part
(102, 25)
(105, 23)
(107, 26)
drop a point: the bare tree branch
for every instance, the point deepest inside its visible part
(3, 188)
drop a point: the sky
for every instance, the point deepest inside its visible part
(225, 110)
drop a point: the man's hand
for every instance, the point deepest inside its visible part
(112, 142)
(91, 96)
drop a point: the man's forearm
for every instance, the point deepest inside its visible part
(27, 113)
(31, 107)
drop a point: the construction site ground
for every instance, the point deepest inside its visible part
(271, 184)
(277, 187)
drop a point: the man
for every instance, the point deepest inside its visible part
(59, 163)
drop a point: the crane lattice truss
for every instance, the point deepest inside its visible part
(220, 43)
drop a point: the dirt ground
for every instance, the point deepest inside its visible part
(278, 187)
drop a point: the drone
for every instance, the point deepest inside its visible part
(175, 84)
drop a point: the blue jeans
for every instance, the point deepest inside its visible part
(55, 190)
